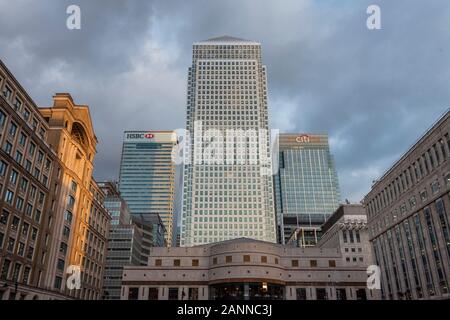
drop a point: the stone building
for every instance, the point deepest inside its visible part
(52, 218)
(81, 219)
(408, 212)
(29, 191)
(246, 269)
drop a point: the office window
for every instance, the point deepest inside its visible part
(301, 293)
(12, 129)
(358, 237)
(214, 260)
(26, 114)
(31, 149)
(173, 293)
(15, 223)
(152, 293)
(4, 217)
(361, 294)
(37, 215)
(193, 293)
(195, 262)
(294, 263)
(263, 259)
(16, 272)
(228, 259)
(344, 235)
(176, 262)
(13, 176)
(17, 103)
(63, 248)
(25, 228)
(3, 167)
(5, 269)
(22, 139)
(321, 294)
(332, 263)
(26, 275)
(60, 264)
(341, 294)
(246, 258)
(34, 233)
(313, 263)
(68, 216)
(158, 262)
(7, 92)
(7, 147)
(2, 119)
(133, 293)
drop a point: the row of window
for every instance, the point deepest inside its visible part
(21, 106)
(420, 242)
(247, 259)
(15, 272)
(416, 171)
(193, 293)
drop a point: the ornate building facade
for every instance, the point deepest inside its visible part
(82, 220)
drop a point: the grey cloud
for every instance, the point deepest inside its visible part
(374, 92)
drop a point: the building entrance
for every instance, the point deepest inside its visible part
(247, 291)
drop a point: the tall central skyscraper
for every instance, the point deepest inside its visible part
(227, 90)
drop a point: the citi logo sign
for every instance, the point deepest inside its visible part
(303, 139)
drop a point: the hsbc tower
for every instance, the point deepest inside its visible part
(147, 175)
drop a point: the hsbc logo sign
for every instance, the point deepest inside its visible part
(140, 136)
(304, 138)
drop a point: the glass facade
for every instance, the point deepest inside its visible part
(147, 175)
(306, 186)
(227, 91)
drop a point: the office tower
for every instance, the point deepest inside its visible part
(147, 175)
(227, 92)
(80, 219)
(306, 187)
(408, 216)
(28, 172)
(124, 241)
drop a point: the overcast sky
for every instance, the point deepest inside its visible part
(373, 91)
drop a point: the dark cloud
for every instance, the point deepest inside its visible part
(374, 92)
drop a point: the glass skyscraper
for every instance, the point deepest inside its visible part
(147, 175)
(227, 90)
(306, 187)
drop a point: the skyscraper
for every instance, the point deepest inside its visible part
(147, 175)
(227, 92)
(306, 187)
